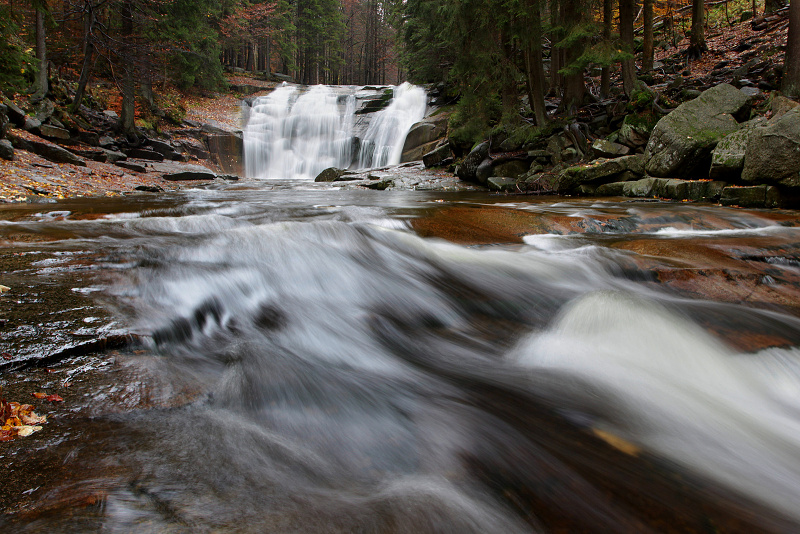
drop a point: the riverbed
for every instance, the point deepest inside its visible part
(297, 357)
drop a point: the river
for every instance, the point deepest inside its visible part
(287, 356)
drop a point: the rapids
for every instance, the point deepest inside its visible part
(310, 359)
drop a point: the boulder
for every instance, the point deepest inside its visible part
(600, 170)
(44, 109)
(331, 174)
(47, 150)
(681, 142)
(381, 185)
(780, 105)
(32, 125)
(422, 134)
(727, 158)
(53, 132)
(131, 166)
(607, 149)
(94, 154)
(466, 171)
(189, 174)
(106, 141)
(437, 156)
(754, 196)
(165, 149)
(112, 156)
(417, 153)
(227, 151)
(614, 189)
(512, 169)
(636, 128)
(501, 183)
(6, 149)
(484, 171)
(14, 113)
(143, 153)
(772, 155)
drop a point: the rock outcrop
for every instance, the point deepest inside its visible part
(681, 143)
(772, 155)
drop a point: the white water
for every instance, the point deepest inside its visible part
(297, 132)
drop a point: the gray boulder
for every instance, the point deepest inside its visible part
(331, 174)
(466, 171)
(421, 134)
(6, 150)
(437, 156)
(53, 132)
(681, 142)
(772, 155)
(47, 150)
(755, 196)
(599, 171)
(606, 149)
(501, 183)
(727, 158)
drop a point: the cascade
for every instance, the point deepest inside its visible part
(297, 132)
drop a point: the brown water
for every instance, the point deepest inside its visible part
(296, 358)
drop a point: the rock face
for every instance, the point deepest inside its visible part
(681, 143)
(772, 155)
(227, 150)
(422, 137)
(467, 171)
(437, 156)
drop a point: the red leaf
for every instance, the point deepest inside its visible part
(54, 398)
(7, 356)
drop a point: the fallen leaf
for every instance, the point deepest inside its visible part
(7, 356)
(27, 430)
(54, 398)
(39, 395)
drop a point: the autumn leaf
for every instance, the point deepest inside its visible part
(39, 395)
(54, 398)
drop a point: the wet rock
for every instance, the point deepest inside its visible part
(614, 189)
(227, 150)
(437, 156)
(189, 175)
(6, 150)
(331, 174)
(512, 169)
(111, 114)
(53, 132)
(425, 131)
(417, 153)
(382, 184)
(466, 171)
(607, 149)
(14, 113)
(727, 158)
(501, 183)
(149, 188)
(47, 150)
(772, 155)
(682, 141)
(644, 188)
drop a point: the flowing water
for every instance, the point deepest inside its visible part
(310, 359)
(297, 132)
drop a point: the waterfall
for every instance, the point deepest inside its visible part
(297, 132)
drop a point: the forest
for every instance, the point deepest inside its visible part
(487, 53)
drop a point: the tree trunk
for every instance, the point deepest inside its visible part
(648, 49)
(556, 54)
(574, 84)
(128, 117)
(605, 73)
(791, 75)
(88, 56)
(697, 39)
(534, 67)
(40, 87)
(626, 15)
